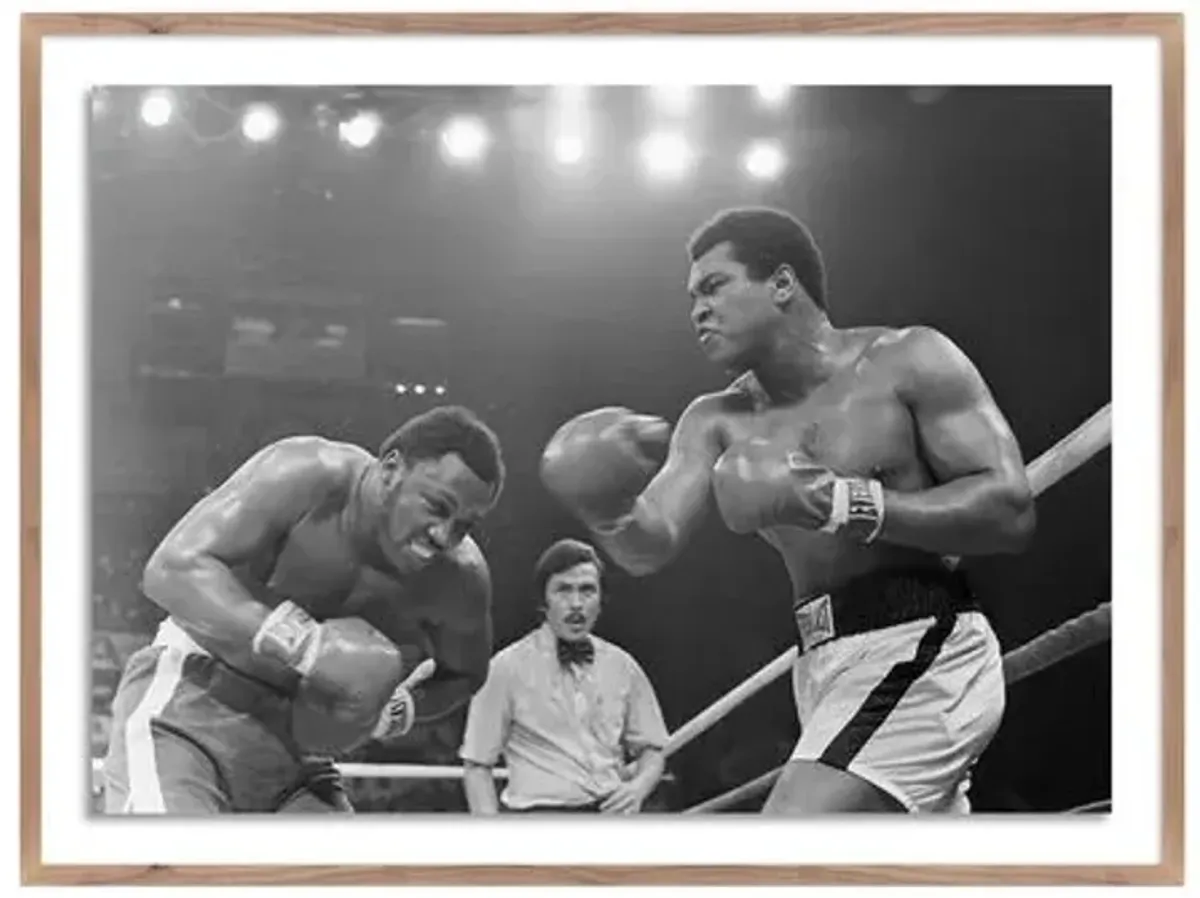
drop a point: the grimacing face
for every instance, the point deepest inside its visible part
(732, 313)
(432, 504)
(573, 601)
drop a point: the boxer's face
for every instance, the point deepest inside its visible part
(431, 506)
(573, 601)
(733, 314)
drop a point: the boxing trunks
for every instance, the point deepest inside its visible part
(899, 681)
(192, 735)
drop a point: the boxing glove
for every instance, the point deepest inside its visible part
(349, 672)
(598, 463)
(758, 484)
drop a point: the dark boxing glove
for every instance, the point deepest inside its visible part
(758, 484)
(348, 672)
(598, 463)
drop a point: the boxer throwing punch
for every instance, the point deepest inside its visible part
(286, 588)
(863, 456)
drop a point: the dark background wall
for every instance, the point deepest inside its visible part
(982, 211)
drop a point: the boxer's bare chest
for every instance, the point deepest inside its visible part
(316, 567)
(855, 425)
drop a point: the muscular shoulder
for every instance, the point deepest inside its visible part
(699, 431)
(923, 358)
(707, 412)
(312, 462)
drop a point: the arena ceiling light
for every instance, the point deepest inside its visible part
(773, 94)
(157, 108)
(361, 130)
(568, 149)
(101, 102)
(465, 139)
(260, 122)
(667, 154)
(568, 121)
(764, 160)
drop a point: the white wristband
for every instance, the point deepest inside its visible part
(856, 502)
(839, 514)
(289, 635)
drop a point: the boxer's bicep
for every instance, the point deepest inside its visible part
(189, 573)
(961, 430)
(678, 495)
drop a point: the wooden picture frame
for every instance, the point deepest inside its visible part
(1167, 29)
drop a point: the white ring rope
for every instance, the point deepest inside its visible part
(353, 770)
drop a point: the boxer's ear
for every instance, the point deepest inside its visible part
(784, 285)
(392, 467)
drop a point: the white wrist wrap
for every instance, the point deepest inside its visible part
(289, 635)
(857, 503)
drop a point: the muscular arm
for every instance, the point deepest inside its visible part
(982, 503)
(189, 575)
(455, 598)
(674, 503)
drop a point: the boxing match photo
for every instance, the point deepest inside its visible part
(575, 450)
(451, 427)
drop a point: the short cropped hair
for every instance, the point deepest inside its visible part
(450, 429)
(562, 556)
(763, 239)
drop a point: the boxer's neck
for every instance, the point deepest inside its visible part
(804, 353)
(364, 509)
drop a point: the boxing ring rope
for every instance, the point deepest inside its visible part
(1073, 636)
(1088, 629)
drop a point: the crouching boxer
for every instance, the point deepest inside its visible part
(287, 588)
(862, 456)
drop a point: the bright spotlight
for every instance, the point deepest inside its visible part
(568, 149)
(401, 389)
(260, 122)
(440, 390)
(419, 389)
(666, 155)
(101, 102)
(764, 160)
(360, 130)
(157, 109)
(773, 94)
(464, 139)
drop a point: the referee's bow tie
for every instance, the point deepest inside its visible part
(575, 652)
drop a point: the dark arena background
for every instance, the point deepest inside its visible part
(269, 261)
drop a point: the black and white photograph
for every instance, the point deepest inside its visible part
(583, 448)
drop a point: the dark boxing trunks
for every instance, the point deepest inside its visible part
(191, 735)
